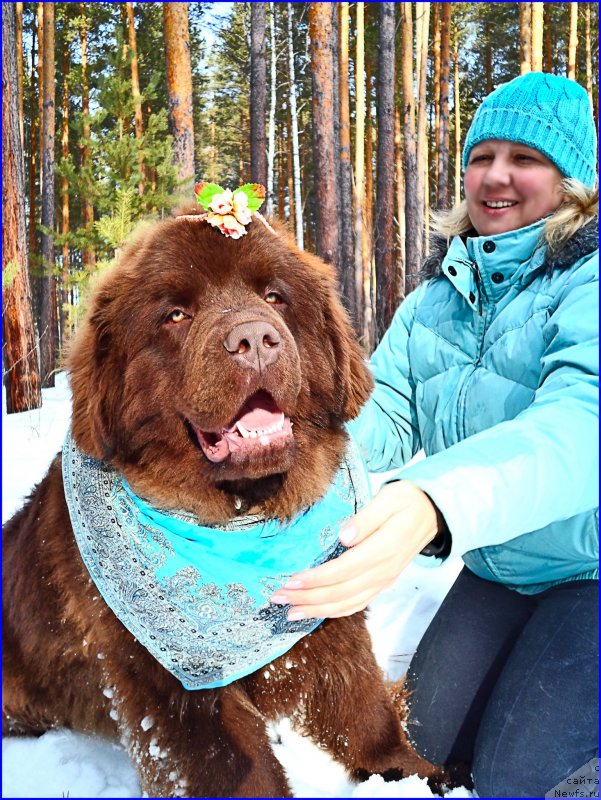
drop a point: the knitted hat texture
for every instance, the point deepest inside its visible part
(546, 112)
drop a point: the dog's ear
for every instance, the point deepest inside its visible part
(94, 376)
(351, 365)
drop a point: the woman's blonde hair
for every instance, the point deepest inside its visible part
(580, 206)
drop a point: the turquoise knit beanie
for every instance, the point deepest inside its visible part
(547, 112)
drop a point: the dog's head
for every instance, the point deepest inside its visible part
(217, 373)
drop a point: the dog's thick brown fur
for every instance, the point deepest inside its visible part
(149, 368)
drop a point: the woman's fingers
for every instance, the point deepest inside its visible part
(373, 515)
(344, 608)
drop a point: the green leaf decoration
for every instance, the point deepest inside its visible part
(205, 192)
(255, 193)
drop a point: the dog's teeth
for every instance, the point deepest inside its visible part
(264, 440)
(242, 430)
(253, 434)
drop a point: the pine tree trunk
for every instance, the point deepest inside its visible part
(573, 42)
(89, 256)
(457, 112)
(324, 157)
(413, 243)
(400, 199)
(48, 308)
(40, 29)
(64, 294)
(386, 296)
(347, 271)
(443, 139)
(525, 37)
(436, 85)
(537, 37)
(368, 205)
(359, 161)
(422, 22)
(258, 94)
(282, 177)
(289, 171)
(33, 156)
(548, 45)
(135, 91)
(18, 348)
(488, 56)
(587, 45)
(36, 270)
(272, 105)
(179, 88)
(334, 46)
(298, 203)
(19, 38)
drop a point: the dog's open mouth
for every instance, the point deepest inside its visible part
(258, 425)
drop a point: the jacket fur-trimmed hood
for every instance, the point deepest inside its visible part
(584, 241)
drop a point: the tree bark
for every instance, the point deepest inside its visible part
(324, 157)
(537, 37)
(64, 293)
(386, 294)
(413, 242)
(488, 56)
(19, 47)
(179, 88)
(548, 45)
(272, 105)
(289, 171)
(573, 42)
(587, 45)
(359, 160)
(48, 308)
(258, 94)
(436, 85)
(443, 139)
(89, 256)
(368, 205)
(33, 150)
(18, 348)
(347, 271)
(457, 112)
(400, 199)
(298, 203)
(135, 91)
(525, 38)
(422, 21)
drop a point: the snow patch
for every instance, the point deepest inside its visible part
(147, 723)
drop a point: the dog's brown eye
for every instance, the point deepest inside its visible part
(274, 298)
(177, 316)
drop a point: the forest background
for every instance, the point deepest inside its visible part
(352, 115)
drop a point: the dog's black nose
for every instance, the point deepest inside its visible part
(254, 344)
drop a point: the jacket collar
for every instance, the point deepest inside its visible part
(584, 241)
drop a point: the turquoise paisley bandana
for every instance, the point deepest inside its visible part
(197, 597)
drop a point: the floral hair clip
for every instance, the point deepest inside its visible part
(229, 211)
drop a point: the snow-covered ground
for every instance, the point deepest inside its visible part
(65, 764)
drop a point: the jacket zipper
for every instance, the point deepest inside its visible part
(479, 286)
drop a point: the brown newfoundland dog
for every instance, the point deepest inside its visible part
(212, 378)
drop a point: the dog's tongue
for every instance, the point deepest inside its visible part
(258, 424)
(260, 412)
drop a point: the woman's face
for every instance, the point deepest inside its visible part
(508, 186)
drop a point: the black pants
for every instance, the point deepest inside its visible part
(508, 684)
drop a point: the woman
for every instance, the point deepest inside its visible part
(491, 366)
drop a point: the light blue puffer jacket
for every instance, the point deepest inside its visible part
(492, 368)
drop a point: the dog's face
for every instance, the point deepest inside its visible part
(217, 373)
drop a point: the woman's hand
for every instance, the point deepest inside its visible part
(383, 537)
